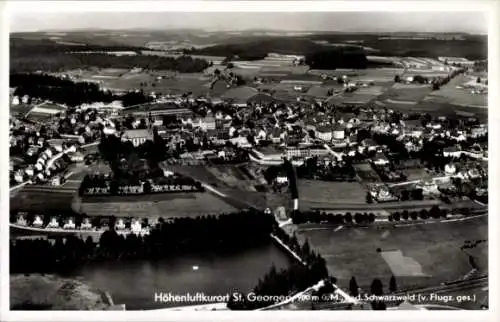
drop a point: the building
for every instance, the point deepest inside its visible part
(86, 224)
(451, 151)
(267, 155)
(137, 137)
(380, 159)
(450, 169)
(53, 223)
(206, 123)
(38, 222)
(338, 132)
(69, 224)
(428, 187)
(76, 156)
(120, 224)
(324, 133)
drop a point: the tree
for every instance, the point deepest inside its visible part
(478, 80)
(353, 287)
(397, 79)
(306, 249)
(392, 284)
(348, 217)
(377, 288)
(369, 198)
(405, 195)
(435, 86)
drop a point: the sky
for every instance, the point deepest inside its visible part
(469, 22)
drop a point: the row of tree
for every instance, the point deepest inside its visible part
(299, 217)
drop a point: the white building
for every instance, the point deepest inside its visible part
(70, 224)
(450, 169)
(136, 227)
(53, 223)
(324, 133)
(338, 132)
(38, 222)
(137, 137)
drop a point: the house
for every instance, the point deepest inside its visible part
(380, 159)
(428, 187)
(451, 151)
(324, 133)
(136, 226)
(338, 132)
(53, 223)
(478, 131)
(276, 135)
(369, 144)
(69, 224)
(281, 178)
(76, 156)
(450, 169)
(206, 123)
(38, 222)
(19, 176)
(86, 224)
(382, 194)
(21, 220)
(57, 181)
(138, 136)
(120, 224)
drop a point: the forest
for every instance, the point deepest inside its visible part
(58, 62)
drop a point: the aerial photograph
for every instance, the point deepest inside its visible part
(219, 161)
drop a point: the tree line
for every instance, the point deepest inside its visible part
(300, 217)
(58, 62)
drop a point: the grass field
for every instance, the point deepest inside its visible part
(314, 192)
(459, 96)
(416, 174)
(44, 199)
(419, 256)
(366, 173)
(405, 94)
(157, 205)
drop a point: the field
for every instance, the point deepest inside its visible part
(158, 205)
(414, 254)
(366, 173)
(319, 193)
(405, 95)
(44, 199)
(361, 96)
(416, 174)
(458, 96)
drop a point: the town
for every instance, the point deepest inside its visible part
(151, 152)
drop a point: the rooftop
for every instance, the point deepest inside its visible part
(138, 133)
